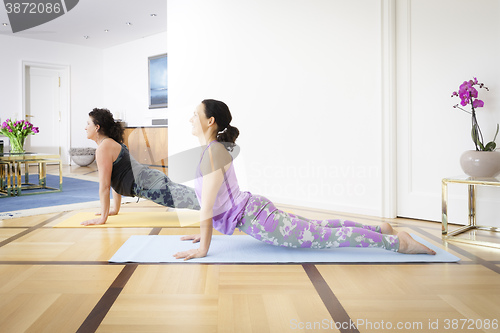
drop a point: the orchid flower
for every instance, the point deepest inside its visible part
(468, 95)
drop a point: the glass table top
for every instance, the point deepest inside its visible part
(495, 181)
(28, 156)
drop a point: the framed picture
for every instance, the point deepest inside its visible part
(158, 91)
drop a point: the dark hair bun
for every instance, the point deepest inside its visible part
(228, 137)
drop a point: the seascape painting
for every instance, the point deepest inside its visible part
(158, 90)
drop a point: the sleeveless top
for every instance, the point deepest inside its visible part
(122, 175)
(230, 202)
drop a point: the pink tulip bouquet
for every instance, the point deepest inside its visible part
(17, 131)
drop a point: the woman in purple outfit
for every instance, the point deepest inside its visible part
(224, 207)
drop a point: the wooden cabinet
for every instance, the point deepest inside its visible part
(149, 145)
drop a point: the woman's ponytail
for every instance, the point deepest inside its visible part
(116, 132)
(228, 137)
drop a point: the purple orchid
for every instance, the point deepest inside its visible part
(468, 95)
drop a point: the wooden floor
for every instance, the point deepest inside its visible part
(59, 280)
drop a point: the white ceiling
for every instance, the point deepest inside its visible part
(92, 17)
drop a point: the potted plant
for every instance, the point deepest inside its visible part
(82, 156)
(484, 161)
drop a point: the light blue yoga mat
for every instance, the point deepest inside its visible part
(245, 249)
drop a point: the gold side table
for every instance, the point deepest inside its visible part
(5, 179)
(10, 171)
(472, 184)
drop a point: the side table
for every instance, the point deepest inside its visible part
(472, 183)
(10, 172)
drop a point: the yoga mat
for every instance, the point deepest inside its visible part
(245, 249)
(136, 220)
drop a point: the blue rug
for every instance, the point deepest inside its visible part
(74, 191)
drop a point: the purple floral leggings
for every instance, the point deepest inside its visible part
(263, 221)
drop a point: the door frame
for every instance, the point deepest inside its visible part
(65, 101)
(389, 207)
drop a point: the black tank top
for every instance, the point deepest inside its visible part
(124, 169)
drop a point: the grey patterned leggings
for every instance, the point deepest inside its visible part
(263, 221)
(154, 185)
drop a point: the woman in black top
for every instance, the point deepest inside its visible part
(124, 175)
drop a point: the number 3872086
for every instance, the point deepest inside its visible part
(33, 8)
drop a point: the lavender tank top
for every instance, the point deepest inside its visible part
(230, 201)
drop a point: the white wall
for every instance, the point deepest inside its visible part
(303, 81)
(125, 77)
(86, 78)
(115, 78)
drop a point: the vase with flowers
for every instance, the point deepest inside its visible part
(484, 161)
(17, 131)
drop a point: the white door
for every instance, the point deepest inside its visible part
(431, 134)
(43, 110)
(425, 154)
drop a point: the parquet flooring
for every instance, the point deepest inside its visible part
(59, 280)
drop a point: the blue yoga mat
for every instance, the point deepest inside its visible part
(245, 249)
(74, 191)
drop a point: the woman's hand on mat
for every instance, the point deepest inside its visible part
(93, 222)
(190, 254)
(194, 238)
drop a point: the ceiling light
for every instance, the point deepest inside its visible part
(106, 30)
(153, 15)
(5, 24)
(128, 23)
(86, 37)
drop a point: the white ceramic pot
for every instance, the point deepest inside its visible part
(83, 160)
(481, 164)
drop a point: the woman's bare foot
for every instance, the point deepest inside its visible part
(408, 245)
(386, 229)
